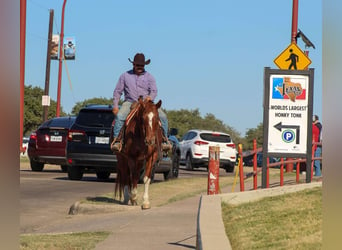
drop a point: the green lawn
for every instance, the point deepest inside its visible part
(290, 221)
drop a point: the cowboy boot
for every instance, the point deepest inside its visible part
(116, 145)
(166, 145)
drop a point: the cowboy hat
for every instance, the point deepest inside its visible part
(139, 59)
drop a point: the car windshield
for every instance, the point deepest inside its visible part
(95, 118)
(216, 137)
(60, 122)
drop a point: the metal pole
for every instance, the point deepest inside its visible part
(22, 68)
(48, 60)
(294, 21)
(61, 58)
(289, 166)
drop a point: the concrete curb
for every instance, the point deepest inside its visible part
(88, 208)
(210, 228)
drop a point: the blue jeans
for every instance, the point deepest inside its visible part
(123, 113)
(317, 163)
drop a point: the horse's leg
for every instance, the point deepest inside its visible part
(133, 182)
(146, 203)
(126, 195)
(134, 196)
(147, 180)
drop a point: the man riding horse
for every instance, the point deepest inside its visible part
(135, 83)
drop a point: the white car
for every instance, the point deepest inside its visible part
(194, 149)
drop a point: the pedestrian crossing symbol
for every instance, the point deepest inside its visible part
(292, 58)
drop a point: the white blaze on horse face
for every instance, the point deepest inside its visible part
(150, 117)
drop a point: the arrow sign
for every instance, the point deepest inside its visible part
(279, 126)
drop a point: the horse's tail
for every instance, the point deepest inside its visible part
(122, 176)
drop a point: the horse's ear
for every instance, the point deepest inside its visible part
(159, 104)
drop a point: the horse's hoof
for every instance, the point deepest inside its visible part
(134, 203)
(145, 206)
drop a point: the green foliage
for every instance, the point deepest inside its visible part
(254, 133)
(95, 100)
(33, 109)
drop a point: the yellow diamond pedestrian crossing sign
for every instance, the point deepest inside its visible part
(292, 58)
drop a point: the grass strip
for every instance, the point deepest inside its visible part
(67, 241)
(290, 221)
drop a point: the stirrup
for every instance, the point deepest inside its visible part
(166, 145)
(116, 145)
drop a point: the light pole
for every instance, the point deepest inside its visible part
(61, 58)
(294, 21)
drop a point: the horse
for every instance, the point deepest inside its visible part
(141, 149)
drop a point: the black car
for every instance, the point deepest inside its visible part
(47, 144)
(88, 147)
(169, 164)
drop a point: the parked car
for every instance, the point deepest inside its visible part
(88, 147)
(194, 149)
(248, 161)
(47, 144)
(169, 164)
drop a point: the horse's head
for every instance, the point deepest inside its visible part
(150, 120)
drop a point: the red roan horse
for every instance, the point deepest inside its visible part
(141, 148)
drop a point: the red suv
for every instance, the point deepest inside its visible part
(47, 145)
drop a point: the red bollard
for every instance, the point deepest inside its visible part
(213, 170)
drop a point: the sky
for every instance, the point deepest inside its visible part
(205, 55)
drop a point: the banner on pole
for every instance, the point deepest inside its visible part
(69, 46)
(54, 47)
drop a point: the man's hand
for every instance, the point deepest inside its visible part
(148, 98)
(115, 110)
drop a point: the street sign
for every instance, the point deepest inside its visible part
(287, 110)
(292, 58)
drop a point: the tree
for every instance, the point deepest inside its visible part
(185, 120)
(33, 109)
(254, 133)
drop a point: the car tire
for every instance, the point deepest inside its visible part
(36, 166)
(64, 168)
(75, 173)
(103, 175)
(188, 162)
(175, 166)
(230, 168)
(167, 175)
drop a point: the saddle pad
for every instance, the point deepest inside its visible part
(131, 114)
